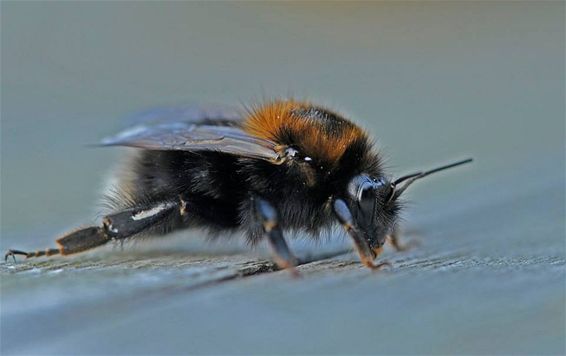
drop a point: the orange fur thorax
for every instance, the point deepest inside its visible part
(315, 131)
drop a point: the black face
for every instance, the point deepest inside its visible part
(373, 208)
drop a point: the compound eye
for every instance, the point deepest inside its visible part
(366, 198)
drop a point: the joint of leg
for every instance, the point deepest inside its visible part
(110, 230)
(36, 254)
(52, 251)
(269, 225)
(349, 227)
(266, 211)
(183, 206)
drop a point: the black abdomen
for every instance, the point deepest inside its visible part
(207, 182)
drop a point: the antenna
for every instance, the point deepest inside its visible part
(411, 178)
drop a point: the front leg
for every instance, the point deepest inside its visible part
(399, 246)
(367, 255)
(269, 218)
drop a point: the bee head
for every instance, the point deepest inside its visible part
(373, 208)
(374, 203)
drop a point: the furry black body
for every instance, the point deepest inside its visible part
(285, 165)
(219, 189)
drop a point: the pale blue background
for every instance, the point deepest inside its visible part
(432, 82)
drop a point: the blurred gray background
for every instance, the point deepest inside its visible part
(432, 82)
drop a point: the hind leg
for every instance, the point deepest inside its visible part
(117, 226)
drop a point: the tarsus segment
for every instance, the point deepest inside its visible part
(115, 226)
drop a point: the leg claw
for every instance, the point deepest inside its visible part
(13, 253)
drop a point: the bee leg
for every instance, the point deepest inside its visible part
(46, 252)
(367, 255)
(116, 226)
(270, 221)
(398, 246)
(73, 242)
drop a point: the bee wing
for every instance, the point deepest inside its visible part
(187, 136)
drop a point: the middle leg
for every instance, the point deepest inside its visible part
(269, 218)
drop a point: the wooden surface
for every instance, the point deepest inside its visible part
(471, 287)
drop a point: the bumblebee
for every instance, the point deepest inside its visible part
(282, 165)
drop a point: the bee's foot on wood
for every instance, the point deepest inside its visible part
(13, 253)
(382, 265)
